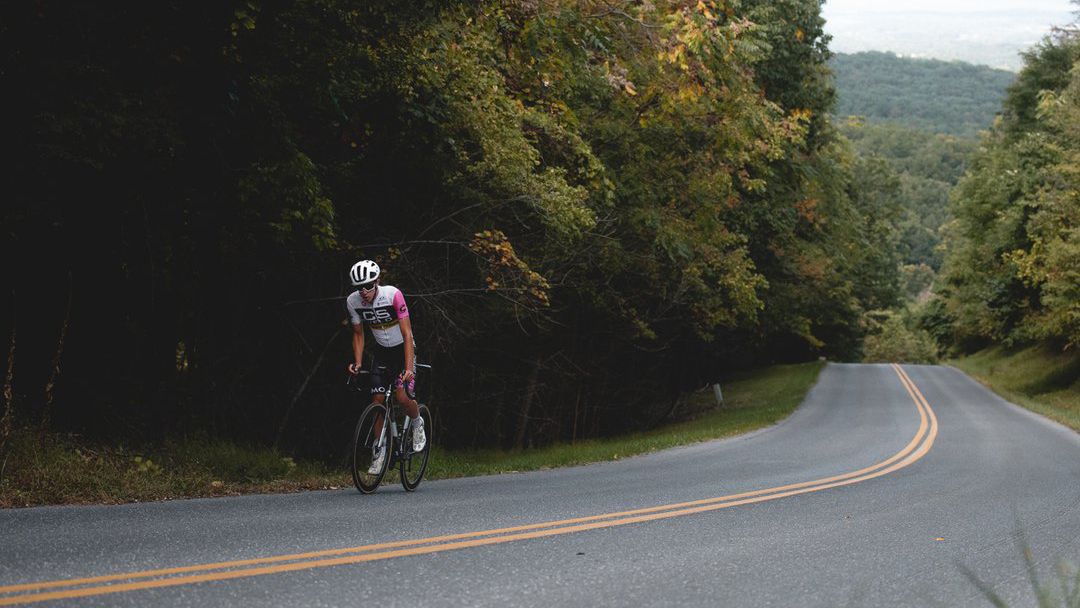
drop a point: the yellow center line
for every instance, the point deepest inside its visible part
(461, 536)
(927, 430)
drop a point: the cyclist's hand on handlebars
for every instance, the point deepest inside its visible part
(407, 375)
(354, 368)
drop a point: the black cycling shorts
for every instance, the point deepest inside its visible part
(393, 359)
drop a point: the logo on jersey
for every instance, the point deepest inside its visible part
(377, 315)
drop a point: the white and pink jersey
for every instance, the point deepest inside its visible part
(381, 315)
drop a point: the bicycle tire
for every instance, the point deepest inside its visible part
(362, 454)
(412, 465)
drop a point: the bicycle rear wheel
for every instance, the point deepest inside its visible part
(365, 448)
(413, 464)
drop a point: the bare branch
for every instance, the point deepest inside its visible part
(446, 217)
(465, 290)
(411, 242)
(313, 300)
(620, 13)
(303, 387)
(51, 384)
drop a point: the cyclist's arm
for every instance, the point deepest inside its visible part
(406, 334)
(358, 345)
(405, 325)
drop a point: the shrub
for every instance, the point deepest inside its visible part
(893, 340)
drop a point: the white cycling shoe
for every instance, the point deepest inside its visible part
(419, 438)
(377, 466)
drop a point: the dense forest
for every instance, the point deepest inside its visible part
(925, 167)
(988, 237)
(1011, 272)
(947, 97)
(923, 140)
(587, 205)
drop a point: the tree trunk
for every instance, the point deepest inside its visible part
(9, 395)
(577, 404)
(526, 404)
(51, 384)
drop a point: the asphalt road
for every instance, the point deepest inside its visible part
(875, 492)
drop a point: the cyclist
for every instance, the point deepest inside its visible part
(382, 308)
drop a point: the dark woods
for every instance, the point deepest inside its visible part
(587, 204)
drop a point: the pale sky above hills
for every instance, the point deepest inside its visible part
(988, 32)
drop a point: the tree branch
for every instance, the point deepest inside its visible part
(302, 388)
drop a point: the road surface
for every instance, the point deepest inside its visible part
(881, 489)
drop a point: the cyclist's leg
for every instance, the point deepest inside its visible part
(380, 387)
(379, 398)
(406, 402)
(393, 359)
(405, 393)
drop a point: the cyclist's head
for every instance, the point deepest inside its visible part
(364, 276)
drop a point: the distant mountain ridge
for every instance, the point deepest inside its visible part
(950, 97)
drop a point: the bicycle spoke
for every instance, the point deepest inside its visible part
(365, 445)
(413, 463)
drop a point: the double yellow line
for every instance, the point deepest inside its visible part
(167, 577)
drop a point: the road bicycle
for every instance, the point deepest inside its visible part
(368, 438)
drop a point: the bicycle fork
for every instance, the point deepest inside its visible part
(387, 417)
(379, 445)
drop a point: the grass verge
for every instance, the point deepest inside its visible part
(65, 470)
(1037, 377)
(751, 401)
(59, 469)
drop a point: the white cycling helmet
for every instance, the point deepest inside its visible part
(363, 272)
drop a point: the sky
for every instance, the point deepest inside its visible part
(987, 32)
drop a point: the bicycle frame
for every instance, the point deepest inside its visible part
(393, 410)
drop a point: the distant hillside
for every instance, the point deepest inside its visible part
(938, 96)
(927, 165)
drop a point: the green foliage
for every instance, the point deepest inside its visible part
(876, 193)
(1047, 67)
(916, 281)
(627, 201)
(1040, 378)
(937, 157)
(920, 117)
(60, 469)
(894, 338)
(67, 470)
(1011, 273)
(752, 399)
(1052, 264)
(928, 165)
(935, 96)
(228, 461)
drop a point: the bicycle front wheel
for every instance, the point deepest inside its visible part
(371, 434)
(413, 464)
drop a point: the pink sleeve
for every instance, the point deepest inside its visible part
(399, 305)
